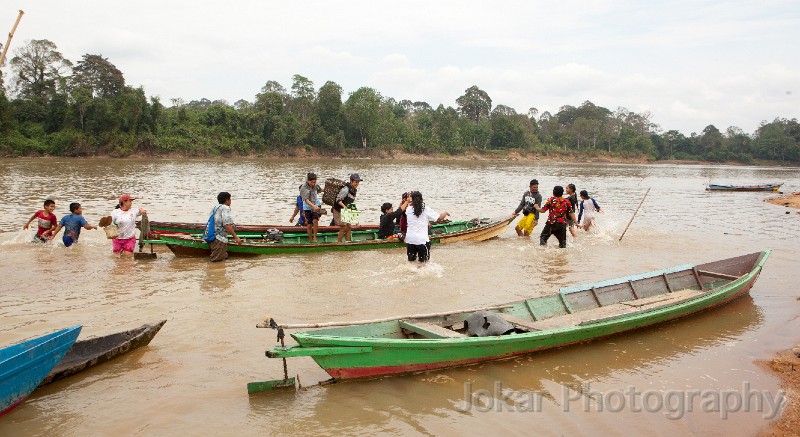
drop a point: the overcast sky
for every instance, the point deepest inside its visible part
(690, 63)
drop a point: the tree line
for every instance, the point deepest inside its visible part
(52, 106)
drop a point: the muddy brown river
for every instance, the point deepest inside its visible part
(191, 380)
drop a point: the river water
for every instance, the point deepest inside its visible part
(191, 380)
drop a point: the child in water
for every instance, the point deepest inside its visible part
(72, 225)
(46, 221)
(588, 206)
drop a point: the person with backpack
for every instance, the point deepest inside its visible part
(345, 198)
(219, 227)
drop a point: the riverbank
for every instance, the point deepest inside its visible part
(788, 200)
(786, 365)
(398, 154)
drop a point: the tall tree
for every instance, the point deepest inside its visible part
(475, 104)
(362, 108)
(98, 75)
(39, 69)
(711, 143)
(303, 100)
(329, 107)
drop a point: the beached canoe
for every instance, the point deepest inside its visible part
(470, 230)
(160, 228)
(761, 187)
(85, 354)
(23, 366)
(573, 315)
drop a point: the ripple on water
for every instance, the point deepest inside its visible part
(194, 373)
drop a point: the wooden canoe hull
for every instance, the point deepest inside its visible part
(163, 228)
(575, 315)
(23, 366)
(184, 245)
(92, 352)
(762, 187)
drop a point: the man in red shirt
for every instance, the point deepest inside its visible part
(560, 208)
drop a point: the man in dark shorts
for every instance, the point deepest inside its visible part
(311, 206)
(556, 224)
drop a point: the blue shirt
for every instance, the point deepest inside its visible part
(299, 202)
(72, 224)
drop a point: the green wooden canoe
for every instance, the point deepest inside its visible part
(160, 228)
(473, 230)
(575, 314)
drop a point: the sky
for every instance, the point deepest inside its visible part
(689, 63)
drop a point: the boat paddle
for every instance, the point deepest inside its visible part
(144, 227)
(634, 215)
(286, 382)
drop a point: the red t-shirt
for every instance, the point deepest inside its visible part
(559, 208)
(45, 222)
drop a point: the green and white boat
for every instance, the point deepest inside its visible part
(443, 233)
(575, 314)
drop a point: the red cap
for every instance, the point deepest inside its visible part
(125, 197)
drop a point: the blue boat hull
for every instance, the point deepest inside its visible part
(23, 366)
(763, 187)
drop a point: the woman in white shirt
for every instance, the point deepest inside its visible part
(125, 218)
(418, 245)
(588, 207)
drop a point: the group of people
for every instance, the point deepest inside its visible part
(561, 212)
(412, 218)
(309, 205)
(123, 219)
(413, 224)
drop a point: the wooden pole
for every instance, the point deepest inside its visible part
(10, 35)
(387, 319)
(634, 215)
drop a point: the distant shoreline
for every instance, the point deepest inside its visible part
(510, 155)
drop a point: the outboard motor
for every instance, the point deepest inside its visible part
(274, 235)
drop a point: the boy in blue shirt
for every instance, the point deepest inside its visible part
(298, 209)
(72, 225)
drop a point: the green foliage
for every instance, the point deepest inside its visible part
(100, 77)
(93, 112)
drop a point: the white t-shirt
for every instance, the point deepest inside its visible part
(125, 221)
(588, 210)
(417, 227)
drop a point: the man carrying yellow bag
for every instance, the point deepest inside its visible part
(530, 198)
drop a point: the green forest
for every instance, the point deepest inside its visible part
(51, 106)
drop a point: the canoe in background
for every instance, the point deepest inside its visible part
(443, 233)
(23, 366)
(85, 354)
(575, 314)
(762, 187)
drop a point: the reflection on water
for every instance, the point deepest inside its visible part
(193, 375)
(215, 279)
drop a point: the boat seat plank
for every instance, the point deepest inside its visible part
(671, 297)
(429, 330)
(519, 322)
(675, 298)
(609, 312)
(717, 275)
